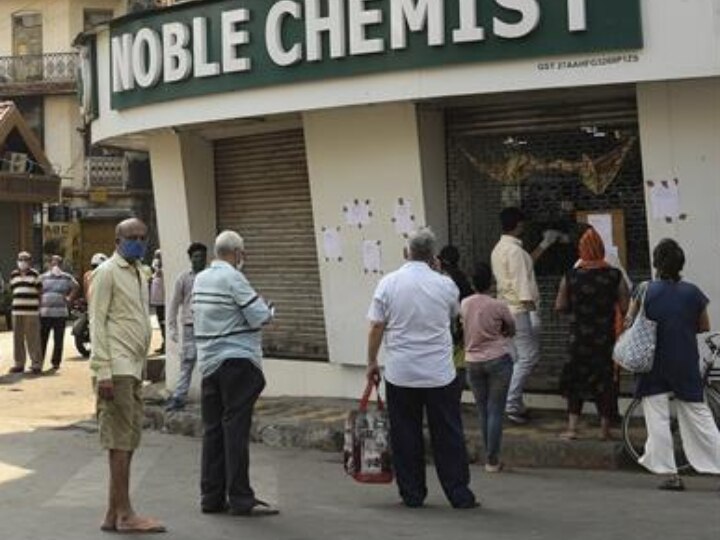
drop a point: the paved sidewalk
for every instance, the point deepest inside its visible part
(66, 398)
(318, 423)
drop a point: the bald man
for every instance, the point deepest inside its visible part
(120, 333)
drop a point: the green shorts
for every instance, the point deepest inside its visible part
(120, 420)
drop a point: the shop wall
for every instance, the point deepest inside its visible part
(680, 138)
(377, 159)
(63, 143)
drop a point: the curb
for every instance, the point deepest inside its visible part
(321, 427)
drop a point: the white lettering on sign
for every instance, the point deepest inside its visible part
(203, 68)
(147, 57)
(577, 15)
(469, 30)
(414, 15)
(316, 25)
(232, 39)
(312, 31)
(177, 59)
(529, 20)
(122, 69)
(360, 17)
(273, 33)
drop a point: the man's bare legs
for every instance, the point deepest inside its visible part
(120, 514)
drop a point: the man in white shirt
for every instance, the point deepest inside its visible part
(514, 272)
(410, 315)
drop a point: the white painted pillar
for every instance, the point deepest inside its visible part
(184, 189)
(370, 153)
(680, 138)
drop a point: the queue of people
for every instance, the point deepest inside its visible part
(421, 315)
(413, 315)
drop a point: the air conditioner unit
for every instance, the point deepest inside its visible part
(15, 162)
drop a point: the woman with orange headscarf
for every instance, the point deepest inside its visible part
(592, 293)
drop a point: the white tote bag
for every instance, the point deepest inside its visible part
(635, 348)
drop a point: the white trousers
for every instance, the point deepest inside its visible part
(699, 434)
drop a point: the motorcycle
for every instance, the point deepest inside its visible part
(81, 327)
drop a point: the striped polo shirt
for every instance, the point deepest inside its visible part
(229, 316)
(26, 290)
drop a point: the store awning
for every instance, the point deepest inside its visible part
(25, 171)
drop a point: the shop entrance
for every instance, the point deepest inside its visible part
(263, 192)
(563, 157)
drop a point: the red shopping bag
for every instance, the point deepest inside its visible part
(367, 441)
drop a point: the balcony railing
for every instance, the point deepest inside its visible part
(38, 73)
(106, 172)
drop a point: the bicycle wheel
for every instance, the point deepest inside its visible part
(634, 434)
(712, 396)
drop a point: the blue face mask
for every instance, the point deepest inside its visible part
(132, 250)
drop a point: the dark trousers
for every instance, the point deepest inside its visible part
(57, 326)
(160, 313)
(228, 398)
(405, 407)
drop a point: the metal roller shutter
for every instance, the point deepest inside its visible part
(551, 127)
(263, 192)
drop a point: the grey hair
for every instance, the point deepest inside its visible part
(421, 244)
(228, 242)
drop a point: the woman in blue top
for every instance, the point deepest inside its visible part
(680, 310)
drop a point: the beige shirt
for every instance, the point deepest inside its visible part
(514, 274)
(119, 319)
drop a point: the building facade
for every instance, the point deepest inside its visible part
(38, 72)
(325, 130)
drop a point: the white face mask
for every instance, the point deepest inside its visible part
(55, 271)
(23, 266)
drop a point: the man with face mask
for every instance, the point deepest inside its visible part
(181, 304)
(26, 290)
(120, 333)
(58, 291)
(228, 317)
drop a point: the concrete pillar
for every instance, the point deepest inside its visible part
(376, 153)
(680, 138)
(184, 189)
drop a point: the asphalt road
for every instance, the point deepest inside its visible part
(53, 486)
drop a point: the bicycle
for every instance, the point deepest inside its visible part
(633, 429)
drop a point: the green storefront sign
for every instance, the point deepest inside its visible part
(224, 45)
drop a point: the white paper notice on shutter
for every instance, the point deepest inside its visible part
(372, 256)
(332, 244)
(602, 223)
(403, 217)
(665, 200)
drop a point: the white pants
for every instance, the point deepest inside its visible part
(699, 434)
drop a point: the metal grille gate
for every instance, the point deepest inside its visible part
(263, 192)
(488, 146)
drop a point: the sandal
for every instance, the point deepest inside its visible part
(140, 525)
(673, 484)
(258, 509)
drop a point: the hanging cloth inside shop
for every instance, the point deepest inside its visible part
(596, 174)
